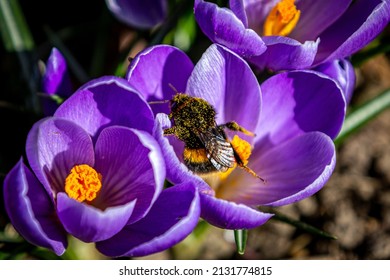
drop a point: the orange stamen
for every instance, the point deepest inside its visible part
(282, 19)
(83, 183)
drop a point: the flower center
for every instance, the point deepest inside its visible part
(83, 183)
(282, 19)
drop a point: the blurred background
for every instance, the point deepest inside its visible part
(353, 208)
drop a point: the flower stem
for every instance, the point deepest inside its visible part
(302, 226)
(241, 236)
(364, 113)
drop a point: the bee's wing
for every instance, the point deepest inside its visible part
(219, 151)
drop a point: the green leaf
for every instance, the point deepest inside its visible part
(185, 32)
(45, 254)
(201, 229)
(56, 98)
(6, 239)
(360, 116)
(170, 23)
(241, 236)
(18, 39)
(303, 226)
(14, 30)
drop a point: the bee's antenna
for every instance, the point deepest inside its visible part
(158, 102)
(164, 101)
(172, 87)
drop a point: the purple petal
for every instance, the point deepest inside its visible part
(153, 71)
(56, 80)
(343, 72)
(223, 27)
(173, 216)
(104, 102)
(293, 171)
(237, 7)
(177, 172)
(229, 215)
(358, 26)
(257, 11)
(31, 211)
(132, 168)
(139, 13)
(91, 224)
(296, 102)
(227, 82)
(316, 16)
(284, 53)
(53, 147)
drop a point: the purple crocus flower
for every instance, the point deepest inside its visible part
(139, 13)
(97, 173)
(293, 148)
(288, 34)
(343, 72)
(55, 82)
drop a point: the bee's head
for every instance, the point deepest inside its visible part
(179, 100)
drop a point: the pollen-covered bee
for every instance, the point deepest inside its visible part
(207, 148)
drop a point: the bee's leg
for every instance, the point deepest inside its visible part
(170, 131)
(241, 164)
(253, 173)
(236, 127)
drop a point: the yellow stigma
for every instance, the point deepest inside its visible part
(282, 19)
(83, 183)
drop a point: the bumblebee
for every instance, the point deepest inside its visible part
(207, 148)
